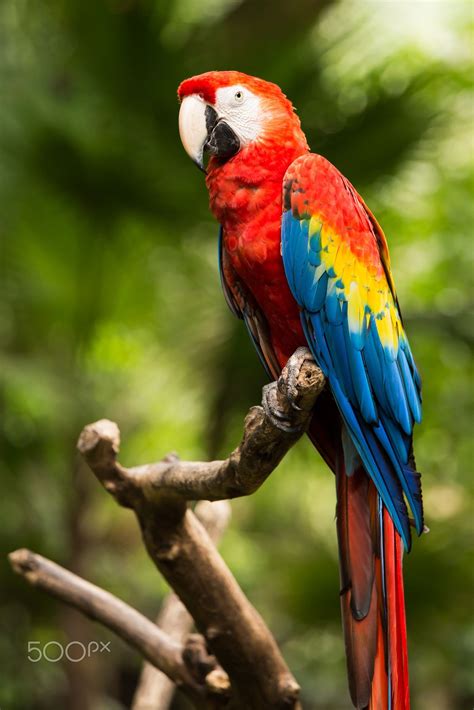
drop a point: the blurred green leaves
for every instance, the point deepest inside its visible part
(111, 306)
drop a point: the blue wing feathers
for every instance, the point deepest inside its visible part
(396, 396)
(291, 229)
(333, 305)
(375, 463)
(399, 440)
(359, 377)
(412, 393)
(369, 449)
(317, 298)
(315, 335)
(375, 365)
(335, 335)
(376, 387)
(408, 478)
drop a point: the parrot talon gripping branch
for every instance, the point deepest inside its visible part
(295, 363)
(270, 406)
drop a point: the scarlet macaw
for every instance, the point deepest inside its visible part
(304, 263)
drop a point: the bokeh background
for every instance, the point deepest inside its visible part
(111, 306)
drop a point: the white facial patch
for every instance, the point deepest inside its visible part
(241, 110)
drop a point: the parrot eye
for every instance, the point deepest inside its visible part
(239, 96)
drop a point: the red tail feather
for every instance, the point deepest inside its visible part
(372, 598)
(395, 605)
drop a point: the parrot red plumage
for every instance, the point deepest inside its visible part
(304, 263)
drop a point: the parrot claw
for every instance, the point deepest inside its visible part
(272, 411)
(287, 389)
(291, 372)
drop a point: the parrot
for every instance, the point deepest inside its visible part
(305, 264)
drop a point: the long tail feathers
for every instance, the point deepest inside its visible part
(372, 598)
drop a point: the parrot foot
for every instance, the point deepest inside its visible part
(291, 373)
(272, 410)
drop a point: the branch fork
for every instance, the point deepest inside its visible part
(233, 661)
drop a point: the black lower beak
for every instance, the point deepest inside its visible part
(221, 142)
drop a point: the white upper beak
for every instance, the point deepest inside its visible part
(192, 127)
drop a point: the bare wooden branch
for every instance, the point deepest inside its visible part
(265, 441)
(152, 642)
(155, 690)
(234, 634)
(183, 551)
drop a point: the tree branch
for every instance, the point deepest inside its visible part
(265, 442)
(134, 628)
(182, 550)
(155, 690)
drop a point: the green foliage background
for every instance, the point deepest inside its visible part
(111, 306)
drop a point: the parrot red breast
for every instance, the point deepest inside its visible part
(304, 263)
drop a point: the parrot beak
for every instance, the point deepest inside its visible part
(193, 130)
(201, 129)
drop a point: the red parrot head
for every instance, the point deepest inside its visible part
(225, 112)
